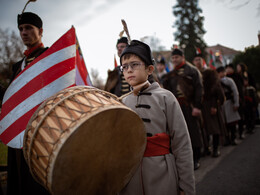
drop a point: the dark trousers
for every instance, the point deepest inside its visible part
(231, 127)
(215, 141)
(241, 127)
(196, 154)
(250, 118)
(19, 178)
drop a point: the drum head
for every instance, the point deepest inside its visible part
(101, 155)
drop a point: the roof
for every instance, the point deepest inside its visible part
(223, 49)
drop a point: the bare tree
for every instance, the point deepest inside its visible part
(11, 50)
(153, 42)
(96, 80)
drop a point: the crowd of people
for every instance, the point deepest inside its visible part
(219, 105)
(188, 112)
(234, 104)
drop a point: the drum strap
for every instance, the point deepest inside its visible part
(157, 145)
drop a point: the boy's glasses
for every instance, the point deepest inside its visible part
(133, 65)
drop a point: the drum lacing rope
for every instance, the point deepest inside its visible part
(40, 123)
(106, 94)
(49, 111)
(123, 96)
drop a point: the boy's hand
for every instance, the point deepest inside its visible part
(196, 112)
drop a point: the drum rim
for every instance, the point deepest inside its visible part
(59, 145)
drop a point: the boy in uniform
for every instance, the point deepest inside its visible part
(167, 165)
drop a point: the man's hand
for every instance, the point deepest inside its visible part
(235, 108)
(213, 111)
(196, 112)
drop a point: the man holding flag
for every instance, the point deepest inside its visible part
(19, 178)
(38, 76)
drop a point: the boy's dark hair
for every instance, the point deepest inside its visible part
(139, 49)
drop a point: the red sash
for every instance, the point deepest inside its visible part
(157, 145)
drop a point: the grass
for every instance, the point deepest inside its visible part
(3, 154)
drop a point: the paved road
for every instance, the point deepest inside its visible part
(237, 171)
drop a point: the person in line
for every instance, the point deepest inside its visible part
(198, 62)
(213, 100)
(230, 106)
(239, 81)
(167, 165)
(251, 104)
(160, 66)
(185, 82)
(242, 70)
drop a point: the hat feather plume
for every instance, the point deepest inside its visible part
(121, 33)
(27, 4)
(126, 30)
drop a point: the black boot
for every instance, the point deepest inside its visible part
(216, 152)
(241, 128)
(206, 151)
(233, 134)
(196, 157)
(196, 165)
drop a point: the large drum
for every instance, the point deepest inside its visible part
(84, 141)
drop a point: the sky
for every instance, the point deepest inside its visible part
(232, 23)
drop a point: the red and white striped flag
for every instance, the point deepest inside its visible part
(59, 67)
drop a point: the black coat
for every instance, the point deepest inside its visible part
(214, 97)
(116, 83)
(186, 84)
